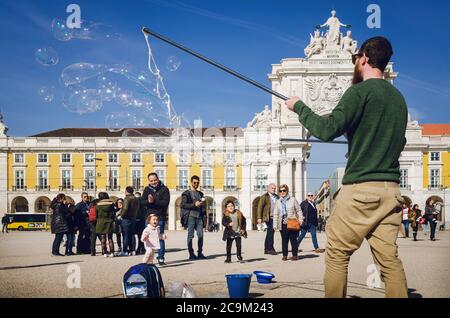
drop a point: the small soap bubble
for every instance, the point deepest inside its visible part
(46, 93)
(46, 56)
(173, 63)
(60, 30)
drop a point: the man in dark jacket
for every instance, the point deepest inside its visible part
(5, 222)
(128, 215)
(193, 203)
(310, 222)
(265, 214)
(156, 199)
(82, 219)
(59, 225)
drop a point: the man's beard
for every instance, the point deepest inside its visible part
(357, 77)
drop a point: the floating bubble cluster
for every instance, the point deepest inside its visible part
(46, 56)
(46, 93)
(88, 31)
(81, 100)
(173, 63)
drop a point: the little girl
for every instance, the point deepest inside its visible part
(150, 238)
(235, 227)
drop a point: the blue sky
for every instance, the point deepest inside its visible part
(247, 35)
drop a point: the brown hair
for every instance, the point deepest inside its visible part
(150, 216)
(284, 186)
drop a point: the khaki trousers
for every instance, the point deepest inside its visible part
(365, 210)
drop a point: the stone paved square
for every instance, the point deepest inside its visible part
(28, 270)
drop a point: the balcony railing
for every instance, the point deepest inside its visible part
(230, 188)
(112, 188)
(406, 187)
(182, 187)
(435, 187)
(42, 188)
(86, 188)
(259, 187)
(15, 188)
(207, 188)
(66, 188)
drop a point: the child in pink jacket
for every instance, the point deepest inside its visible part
(150, 237)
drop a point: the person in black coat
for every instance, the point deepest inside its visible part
(84, 231)
(59, 225)
(72, 224)
(310, 221)
(155, 200)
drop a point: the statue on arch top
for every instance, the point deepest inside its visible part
(333, 35)
(3, 127)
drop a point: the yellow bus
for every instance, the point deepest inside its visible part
(28, 221)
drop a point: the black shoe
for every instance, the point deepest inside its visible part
(273, 252)
(433, 239)
(192, 257)
(161, 262)
(93, 253)
(239, 257)
(227, 260)
(201, 256)
(57, 254)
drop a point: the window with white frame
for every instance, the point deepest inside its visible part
(112, 158)
(66, 158)
(207, 157)
(113, 179)
(230, 157)
(261, 178)
(136, 177)
(136, 157)
(42, 179)
(19, 158)
(42, 158)
(435, 156)
(435, 178)
(89, 158)
(403, 178)
(230, 177)
(183, 180)
(207, 178)
(20, 179)
(89, 178)
(182, 156)
(159, 157)
(161, 175)
(66, 179)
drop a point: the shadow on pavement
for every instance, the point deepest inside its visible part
(38, 265)
(254, 260)
(170, 250)
(175, 265)
(307, 256)
(255, 295)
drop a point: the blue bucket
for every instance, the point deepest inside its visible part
(238, 285)
(264, 277)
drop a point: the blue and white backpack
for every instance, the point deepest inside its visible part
(143, 281)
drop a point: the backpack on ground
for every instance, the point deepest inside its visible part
(143, 281)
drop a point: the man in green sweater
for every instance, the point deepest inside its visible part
(372, 114)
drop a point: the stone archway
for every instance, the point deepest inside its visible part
(407, 200)
(439, 205)
(211, 214)
(42, 205)
(230, 198)
(19, 204)
(255, 213)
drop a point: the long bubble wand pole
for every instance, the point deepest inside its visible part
(147, 31)
(207, 60)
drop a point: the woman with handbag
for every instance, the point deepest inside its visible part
(288, 218)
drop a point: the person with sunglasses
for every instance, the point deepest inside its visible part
(311, 223)
(286, 209)
(372, 114)
(193, 202)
